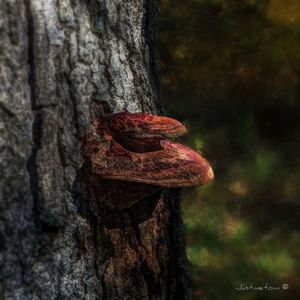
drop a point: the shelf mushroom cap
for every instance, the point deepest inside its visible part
(142, 125)
(133, 147)
(173, 166)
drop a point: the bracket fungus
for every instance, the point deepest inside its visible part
(131, 154)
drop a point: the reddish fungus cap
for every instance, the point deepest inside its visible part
(142, 125)
(134, 148)
(173, 166)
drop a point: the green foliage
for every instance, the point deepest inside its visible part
(230, 71)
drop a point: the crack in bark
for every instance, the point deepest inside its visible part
(36, 126)
(30, 53)
(151, 36)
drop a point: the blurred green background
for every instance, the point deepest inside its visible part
(230, 71)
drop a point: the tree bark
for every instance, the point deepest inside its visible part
(55, 56)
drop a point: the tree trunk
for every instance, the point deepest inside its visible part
(56, 55)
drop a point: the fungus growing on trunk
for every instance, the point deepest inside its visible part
(135, 148)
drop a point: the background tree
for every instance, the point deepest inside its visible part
(56, 55)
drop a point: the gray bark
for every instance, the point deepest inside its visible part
(54, 56)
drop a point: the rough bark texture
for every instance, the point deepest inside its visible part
(56, 55)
